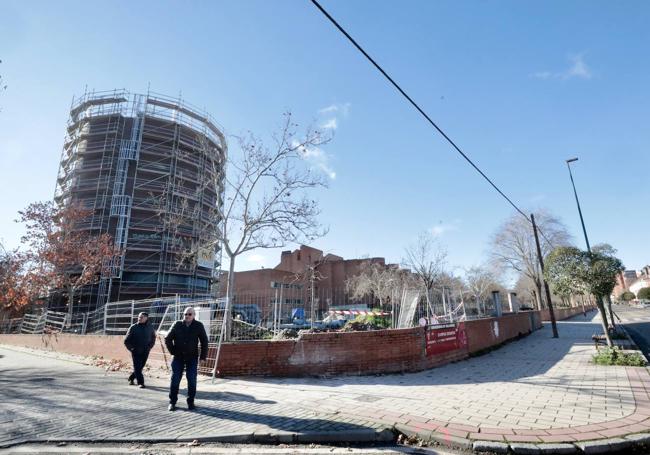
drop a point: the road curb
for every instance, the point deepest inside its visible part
(608, 445)
(632, 344)
(279, 437)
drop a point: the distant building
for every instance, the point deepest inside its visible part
(633, 281)
(630, 277)
(643, 282)
(289, 282)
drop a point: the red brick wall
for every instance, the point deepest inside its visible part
(106, 346)
(382, 351)
(356, 353)
(565, 313)
(485, 333)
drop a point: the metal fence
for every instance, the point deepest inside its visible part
(264, 314)
(10, 325)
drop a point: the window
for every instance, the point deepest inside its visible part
(139, 277)
(177, 279)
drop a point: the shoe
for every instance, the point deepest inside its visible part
(171, 407)
(131, 382)
(142, 386)
(191, 406)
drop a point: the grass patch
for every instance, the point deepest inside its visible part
(614, 356)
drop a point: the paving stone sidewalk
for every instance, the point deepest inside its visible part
(44, 398)
(535, 390)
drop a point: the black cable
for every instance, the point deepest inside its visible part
(424, 114)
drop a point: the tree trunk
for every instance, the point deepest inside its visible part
(611, 312)
(230, 291)
(603, 317)
(538, 295)
(70, 301)
(430, 312)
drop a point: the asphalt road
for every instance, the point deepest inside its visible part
(637, 323)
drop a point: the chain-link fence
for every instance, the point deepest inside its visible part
(264, 315)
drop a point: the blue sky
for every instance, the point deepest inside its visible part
(520, 86)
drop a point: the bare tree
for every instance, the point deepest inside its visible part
(266, 203)
(377, 280)
(3, 86)
(427, 260)
(513, 246)
(480, 282)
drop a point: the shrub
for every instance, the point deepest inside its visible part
(644, 293)
(367, 322)
(614, 356)
(627, 296)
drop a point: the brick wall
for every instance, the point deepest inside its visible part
(486, 333)
(355, 353)
(106, 346)
(565, 313)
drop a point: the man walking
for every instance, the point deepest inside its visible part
(140, 338)
(182, 342)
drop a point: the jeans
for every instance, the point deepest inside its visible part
(139, 361)
(191, 369)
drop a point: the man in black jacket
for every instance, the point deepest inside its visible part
(182, 342)
(140, 338)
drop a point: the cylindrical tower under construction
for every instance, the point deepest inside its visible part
(151, 169)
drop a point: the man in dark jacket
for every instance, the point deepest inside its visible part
(182, 342)
(140, 338)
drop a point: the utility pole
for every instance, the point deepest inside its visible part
(312, 292)
(582, 221)
(541, 265)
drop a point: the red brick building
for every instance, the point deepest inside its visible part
(290, 282)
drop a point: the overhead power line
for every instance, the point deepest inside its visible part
(421, 111)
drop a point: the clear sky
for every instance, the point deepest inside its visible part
(520, 86)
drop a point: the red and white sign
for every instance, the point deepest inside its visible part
(445, 338)
(363, 312)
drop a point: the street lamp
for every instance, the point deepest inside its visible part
(568, 165)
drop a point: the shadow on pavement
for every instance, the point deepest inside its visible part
(214, 396)
(518, 361)
(640, 333)
(80, 402)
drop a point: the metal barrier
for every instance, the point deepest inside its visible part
(33, 323)
(259, 315)
(10, 325)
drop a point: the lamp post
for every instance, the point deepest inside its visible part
(584, 230)
(599, 300)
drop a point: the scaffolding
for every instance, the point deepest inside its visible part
(136, 161)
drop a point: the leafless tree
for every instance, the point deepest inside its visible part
(480, 281)
(377, 280)
(266, 202)
(263, 198)
(427, 260)
(513, 246)
(3, 86)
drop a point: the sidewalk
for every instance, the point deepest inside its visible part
(536, 390)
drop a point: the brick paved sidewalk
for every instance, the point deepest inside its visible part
(44, 398)
(538, 390)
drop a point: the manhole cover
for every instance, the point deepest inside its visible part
(367, 398)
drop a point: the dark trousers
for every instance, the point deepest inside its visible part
(191, 369)
(139, 361)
